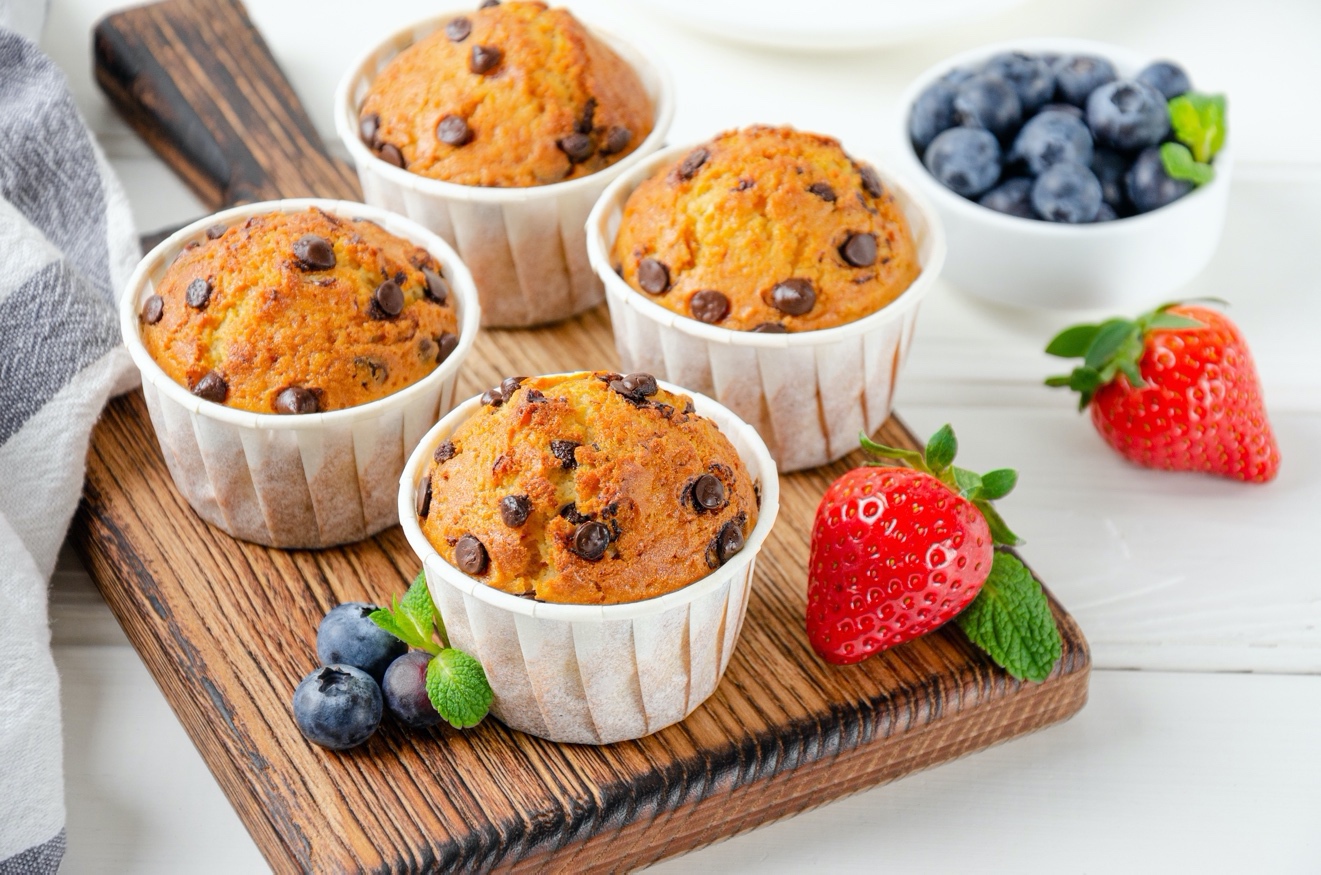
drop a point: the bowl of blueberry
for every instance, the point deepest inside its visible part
(1069, 174)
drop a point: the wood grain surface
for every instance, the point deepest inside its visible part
(228, 628)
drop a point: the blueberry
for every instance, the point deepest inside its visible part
(1066, 108)
(405, 690)
(346, 635)
(1067, 193)
(337, 706)
(933, 112)
(1106, 213)
(1032, 78)
(1127, 115)
(1166, 77)
(965, 160)
(1051, 137)
(1110, 168)
(1077, 76)
(988, 102)
(1149, 186)
(957, 76)
(1012, 198)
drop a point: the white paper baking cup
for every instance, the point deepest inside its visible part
(596, 674)
(807, 394)
(524, 246)
(294, 481)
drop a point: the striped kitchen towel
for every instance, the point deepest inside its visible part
(66, 249)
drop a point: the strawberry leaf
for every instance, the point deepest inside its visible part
(1110, 338)
(969, 483)
(998, 483)
(914, 459)
(1072, 342)
(941, 449)
(1011, 620)
(1172, 320)
(1000, 531)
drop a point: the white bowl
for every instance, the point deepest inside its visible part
(307, 480)
(525, 245)
(1125, 264)
(596, 674)
(808, 393)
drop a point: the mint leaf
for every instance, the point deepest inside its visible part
(1199, 123)
(1179, 164)
(457, 687)
(1010, 619)
(410, 619)
(1072, 342)
(941, 449)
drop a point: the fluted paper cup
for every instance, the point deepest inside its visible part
(809, 393)
(524, 246)
(294, 481)
(597, 674)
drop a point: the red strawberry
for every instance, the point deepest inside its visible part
(1176, 389)
(897, 552)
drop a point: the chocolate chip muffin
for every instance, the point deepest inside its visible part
(590, 488)
(512, 94)
(766, 229)
(299, 313)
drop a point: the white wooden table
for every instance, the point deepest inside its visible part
(1201, 747)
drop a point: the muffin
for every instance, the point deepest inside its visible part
(299, 312)
(766, 229)
(590, 488)
(511, 95)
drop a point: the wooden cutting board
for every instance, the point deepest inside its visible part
(228, 628)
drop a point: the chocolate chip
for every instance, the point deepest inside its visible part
(563, 450)
(653, 276)
(514, 510)
(215, 232)
(437, 289)
(534, 396)
(570, 513)
(212, 387)
(635, 386)
(708, 493)
(616, 140)
(422, 498)
(493, 397)
(871, 183)
(368, 127)
(590, 540)
(793, 296)
(296, 399)
(823, 191)
(391, 155)
(745, 184)
(447, 343)
(509, 385)
(198, 294)
(859, 250)
(730, 539)
(444, 452)
(387, 302)
(770, 328)
(487, 4)
(688, 406)
(370, 368)
(692, 163)
(470, 555)
(585, 123)
(484, 59)
(458, 29)
(454, 131)
(578, 147)
(709, 306)
(152, 309)
(314, 253)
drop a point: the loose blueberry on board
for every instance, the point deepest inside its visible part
(965, 160)
(1013, 198)
(1067, 193)
(1149, 187)
(1166, 77)
(347, 635)
(1077, 76)
(933, 112)
(1110, 168)
(988, 102)
(1032, 78)
(337, 706)
(405, 691)
(1049, 138)
(1127, 115)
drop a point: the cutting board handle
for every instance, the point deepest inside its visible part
(195, 79)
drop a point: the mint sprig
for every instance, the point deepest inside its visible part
(1198, 121)
(1010, 619)
(456, 682)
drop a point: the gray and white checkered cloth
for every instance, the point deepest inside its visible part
(66, 248)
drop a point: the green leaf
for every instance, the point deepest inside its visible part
(417, 606)
(1172, 320)
(1199, 122)
(941, 449)
(1180, 164)
(1130, 369)
(968, 482)
(1010, 619)
(1110, 337)
(1059, 381)
(410, 619)
(1072, 342)
(912, 457)
(1000, 531)
(998, 483)
(457, 687)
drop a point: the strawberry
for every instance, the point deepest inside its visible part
(1175, 389)
(897, 552)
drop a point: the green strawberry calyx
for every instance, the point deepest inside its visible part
(1111, 348)
(938, 461)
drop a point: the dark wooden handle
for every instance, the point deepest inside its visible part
(196, 80)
